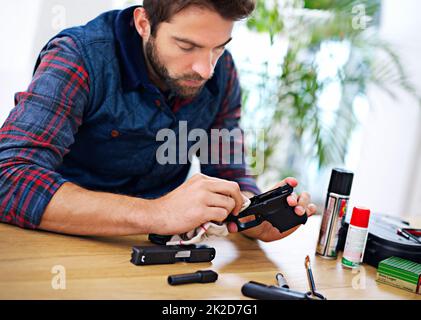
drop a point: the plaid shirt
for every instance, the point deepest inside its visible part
(41, 128)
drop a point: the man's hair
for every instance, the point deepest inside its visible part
(163, 10)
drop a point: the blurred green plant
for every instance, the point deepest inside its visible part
(292, 98)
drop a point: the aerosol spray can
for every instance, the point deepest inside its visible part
(334, 212)
(356, 238)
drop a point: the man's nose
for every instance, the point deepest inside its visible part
(204, 66)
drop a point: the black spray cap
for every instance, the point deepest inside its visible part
(341, 182)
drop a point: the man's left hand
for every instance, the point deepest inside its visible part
(265, 231)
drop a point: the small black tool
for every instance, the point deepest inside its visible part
(282, 282)
(159, 239)
(261, 291)
(271, 206)
(150, 255)
(203, 276)
(414, 234)
(310, 279)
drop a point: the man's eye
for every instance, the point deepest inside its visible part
(187, 49)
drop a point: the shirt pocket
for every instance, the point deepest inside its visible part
(117, 151)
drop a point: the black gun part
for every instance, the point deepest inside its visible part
(150, 255)
(202, 276)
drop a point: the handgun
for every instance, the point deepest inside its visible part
(270, 206)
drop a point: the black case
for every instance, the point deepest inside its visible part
(383, 240)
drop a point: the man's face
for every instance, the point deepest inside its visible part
(183, 54)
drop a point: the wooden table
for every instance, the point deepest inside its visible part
(99, 268)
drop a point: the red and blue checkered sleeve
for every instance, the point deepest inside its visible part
(38, 132)
(227, 150)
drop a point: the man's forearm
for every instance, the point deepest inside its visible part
(77, 211)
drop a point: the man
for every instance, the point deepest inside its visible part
(78, 153)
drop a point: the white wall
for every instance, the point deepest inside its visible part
(25, 26)
(388, 178)
(17, 29)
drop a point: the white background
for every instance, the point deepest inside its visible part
(387, 173)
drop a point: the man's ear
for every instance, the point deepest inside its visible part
(142, 24)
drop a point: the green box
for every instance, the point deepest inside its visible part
(400, 273)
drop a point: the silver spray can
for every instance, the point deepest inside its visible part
(334, 212)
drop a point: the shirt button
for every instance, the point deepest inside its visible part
(158, 103)
(115, 133)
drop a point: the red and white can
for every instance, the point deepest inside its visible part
(356, 238)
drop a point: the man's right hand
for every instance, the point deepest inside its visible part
(199, 200)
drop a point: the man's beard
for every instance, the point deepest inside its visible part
(173, 84)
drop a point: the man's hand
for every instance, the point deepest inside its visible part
(199, 200)
(265, 231)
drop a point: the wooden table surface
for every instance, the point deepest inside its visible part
(100, 268)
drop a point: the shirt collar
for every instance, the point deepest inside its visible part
(130, 51)
(131, 56)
